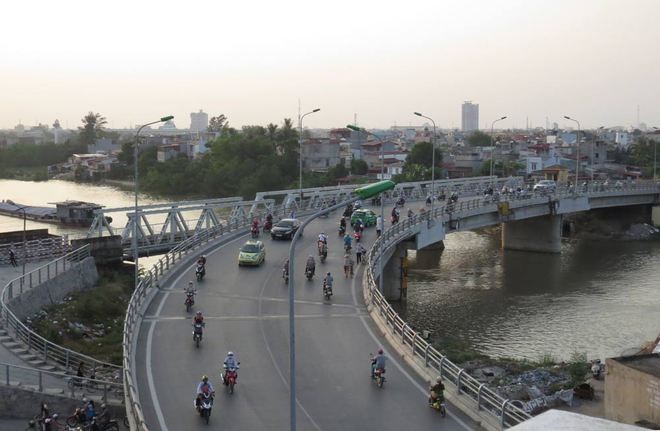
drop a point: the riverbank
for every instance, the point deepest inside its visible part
(39, 173)
(90, 321)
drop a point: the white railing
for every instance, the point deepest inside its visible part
(35, 249)
(36, 344)
(72, 386)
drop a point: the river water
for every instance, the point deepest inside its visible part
(597, 297)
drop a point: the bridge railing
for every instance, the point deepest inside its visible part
(484, 398)
(35, 249)
(35, 343)
(72, 386)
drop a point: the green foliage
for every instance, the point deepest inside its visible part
(93, 124)
(218, 124)
(359, 167)
(501, 168)
(479, 139)
(578, 367)
(421, 154)
(27, 155)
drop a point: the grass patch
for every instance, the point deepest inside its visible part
(39, 173)
(91, 322)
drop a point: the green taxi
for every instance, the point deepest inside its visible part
(253, 252)
(367, 216)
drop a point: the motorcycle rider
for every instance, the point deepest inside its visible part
(255, 226)
(359, 251)
(230, 363)
(436, 392)
(348, 265)
(379, 225)
(204, 387)
(190, 291)
(101, 419)
(310, 264)
(323, 238)
(378, 363)
(198, 319)
(327, 282)
(348, 241)
(201, 260)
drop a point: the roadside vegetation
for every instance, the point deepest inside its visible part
(91, 321)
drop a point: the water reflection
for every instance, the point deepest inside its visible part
(598, 297)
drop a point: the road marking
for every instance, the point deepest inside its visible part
(272, 357)
(254, 317)
(399, 366)
(150, 378)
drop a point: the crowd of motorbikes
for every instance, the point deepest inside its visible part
(84, 418)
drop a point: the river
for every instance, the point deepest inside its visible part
(597, 297)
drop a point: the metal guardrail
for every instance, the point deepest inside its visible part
(74, 387)
(35, 343)
(35, 249)
(485, 399)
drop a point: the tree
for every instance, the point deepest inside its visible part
(479, 139)
(420, 154)
(359, 167)
(92, 128)
(218, 124)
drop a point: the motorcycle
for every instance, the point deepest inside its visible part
(357, 235)
(254, 231)
(439, 405)
(323, 252)
(267, 226)
(197, 333)
(348, 270)
(395, 219)
(309, 272)
(205, 405)
(190, 301)
(596, 369)
(327, 291)
(285, 275)
(229, 378)
(200, 272)
(342, 230)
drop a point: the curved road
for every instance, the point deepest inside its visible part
(246, 311)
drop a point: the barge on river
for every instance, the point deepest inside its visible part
(72, 213)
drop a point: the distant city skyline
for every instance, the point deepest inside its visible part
(593, 60)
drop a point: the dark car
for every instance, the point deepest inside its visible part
(285, 228)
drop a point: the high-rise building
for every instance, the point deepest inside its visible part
(199, 121)
(470, 116)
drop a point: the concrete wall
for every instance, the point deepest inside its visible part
(79, 277)
(17, 402)
(631, 395)
(540, 234)
(106, 250)
(655, 216)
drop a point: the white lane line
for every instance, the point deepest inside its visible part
(400, 367)
(150, 377)
(274, 362)
(262, 317)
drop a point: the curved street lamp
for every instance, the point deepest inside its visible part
(492, 139)
(300, 142)
(135, 162)
(432, 162)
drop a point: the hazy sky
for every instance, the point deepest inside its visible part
(134, 61)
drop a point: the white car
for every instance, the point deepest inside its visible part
(545, 186)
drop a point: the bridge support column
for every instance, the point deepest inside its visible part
(392, 272)
(655, 215)
(539, 234)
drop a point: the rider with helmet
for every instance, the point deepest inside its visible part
(378, 363)
(436, 394)
(204, 387)
(310, 264)
(230, 363)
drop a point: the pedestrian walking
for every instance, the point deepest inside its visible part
(12, 258)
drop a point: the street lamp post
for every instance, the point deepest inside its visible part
(135, 187)
(492, 139)
(363, 192)
(655, 154)
(577, 148)
(300, 142)
(382, 201)
(432, 163)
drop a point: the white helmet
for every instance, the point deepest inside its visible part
(230, 353)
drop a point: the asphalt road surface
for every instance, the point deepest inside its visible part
(246, 311)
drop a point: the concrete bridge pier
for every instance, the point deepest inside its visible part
(392, 272)
(655, 215)
(539, 234)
